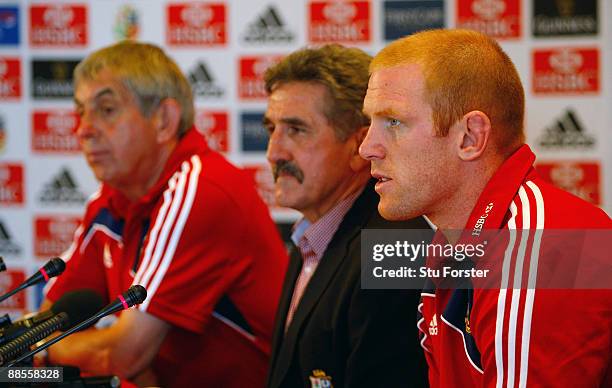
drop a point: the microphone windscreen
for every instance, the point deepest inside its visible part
(55, 267)
(135, 295)
(79, 305)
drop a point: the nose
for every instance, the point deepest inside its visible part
(86, 128)
(372, 148)
(277, 147)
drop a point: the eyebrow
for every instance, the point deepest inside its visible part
(287, 120)
(387, 112)
(100, 94)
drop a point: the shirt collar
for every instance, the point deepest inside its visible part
(320, 233)
(191, 143)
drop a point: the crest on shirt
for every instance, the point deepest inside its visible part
(320, 379)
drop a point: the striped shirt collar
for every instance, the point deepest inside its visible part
(319, 234)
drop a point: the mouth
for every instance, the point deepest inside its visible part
(95, 156)
(381, 181)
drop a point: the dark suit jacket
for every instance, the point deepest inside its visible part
(358, 338)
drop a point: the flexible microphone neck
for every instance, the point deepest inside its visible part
(133, 296)
(53, 268)
(32, 336)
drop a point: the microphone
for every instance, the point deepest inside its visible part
(53, 268)
(133, 296)
(72, 308)
(78, 304)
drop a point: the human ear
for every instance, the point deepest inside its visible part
(357, 163)
(166, 119)
(473, 135)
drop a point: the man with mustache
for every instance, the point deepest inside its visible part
(175, 217)
(446, 141)
(329, 331)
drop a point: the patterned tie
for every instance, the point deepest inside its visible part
(308, 266)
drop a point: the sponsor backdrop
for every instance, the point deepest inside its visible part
(562, 49)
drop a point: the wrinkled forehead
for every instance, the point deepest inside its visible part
(102, 84)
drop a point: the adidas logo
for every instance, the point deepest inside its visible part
(202, 82)
(567, 131)
(433, 326)
(268, 27)
(7, 246)
(62, 189)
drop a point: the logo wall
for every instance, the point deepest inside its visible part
(339, 21)
(9, 25)
(11, 184)
(214, 125)
(196, 24)
(10, 279)
(566, 70)
(579, 178)
(127, 23)
(10, 77)
(254, 135)
(53, 234)
(53, 78)
(2, 134)
(499, 19)
(406, 17)
(54, 131)
(565, 17)
(203, 83)
(566, 132)
(62, 189)
(268, 27)
(250, 78)
(7, 246)
(58, 25)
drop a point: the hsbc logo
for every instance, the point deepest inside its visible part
(565, 70)
(11, 184)
(251, 70)
(565, 61)
(488, 9)
(53, 234)
(9, 280)
(339, 21)
(58, 25)
(582, 179)
(196, 15)
(196, 24)
(58, 16)
(10, 78)
(55, 131)
(61, 122)
(497, 18)
(339, 13)
(214, 126)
